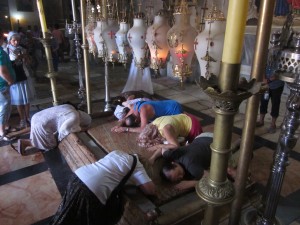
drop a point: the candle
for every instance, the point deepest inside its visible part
(42, 17)
(74, 10)
(235, 29)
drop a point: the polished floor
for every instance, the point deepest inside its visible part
(31, 186)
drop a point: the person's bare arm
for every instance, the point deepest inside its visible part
(159, 151)
(118, 128)
(169, 134)
(4, 73)
(144, 116)
(148, 188)
(186, 184)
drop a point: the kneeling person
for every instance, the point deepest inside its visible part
(87, 193)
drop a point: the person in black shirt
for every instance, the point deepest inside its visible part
(186, 165)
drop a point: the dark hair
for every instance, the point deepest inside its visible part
(167, 167)
(130, 121)
(118, 100)
(126, 110)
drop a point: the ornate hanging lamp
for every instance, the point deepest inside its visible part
(101, 25)
(180, 41)
(89, 29)
(209, 43)
(137, 39)
(156, 39)
(108, 35)
(122, 42)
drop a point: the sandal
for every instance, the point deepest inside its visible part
(5, 138)
(10, 129)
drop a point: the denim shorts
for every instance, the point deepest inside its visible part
(5, 107)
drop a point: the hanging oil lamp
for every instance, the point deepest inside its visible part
(89, 29)
(137, 39)
(180, 40)
(122, 42)
(108, 35)
(101, 25)
(156, 39)
(209, 43)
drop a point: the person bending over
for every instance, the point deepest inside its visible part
(168, 131)
(147, 111)
(53, 124)
(87, 193)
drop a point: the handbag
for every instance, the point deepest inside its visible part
(114, 207)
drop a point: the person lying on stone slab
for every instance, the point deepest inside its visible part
(144, 112)
(186, 165)
(169, 131)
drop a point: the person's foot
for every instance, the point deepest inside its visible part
(23, 144)
(3, 137)
(259, 124)
(10, 129)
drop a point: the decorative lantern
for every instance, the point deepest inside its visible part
(122, 42)
(209, 43)
(108, 35)
(136, 37)
(101, 25)
(156, 39)
(180, 40)
(89, 29)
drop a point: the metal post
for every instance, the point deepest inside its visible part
(258, 70)
(75, 30)
(287, 138)
(108, 106)
(85, 55)
(216, 189)
(51, 73)
(46, 41)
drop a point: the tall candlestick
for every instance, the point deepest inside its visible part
(42, 17)
(235, 29)
(74, 10)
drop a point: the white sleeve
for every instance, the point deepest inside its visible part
(140, 175)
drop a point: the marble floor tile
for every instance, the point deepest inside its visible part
(197, 106)
(260, 170)
(28, 200)
(10, 160)
(168, 93)
(182, 99)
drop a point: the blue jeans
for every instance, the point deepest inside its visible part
(5, 107)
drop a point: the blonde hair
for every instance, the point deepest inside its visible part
(150, 136)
